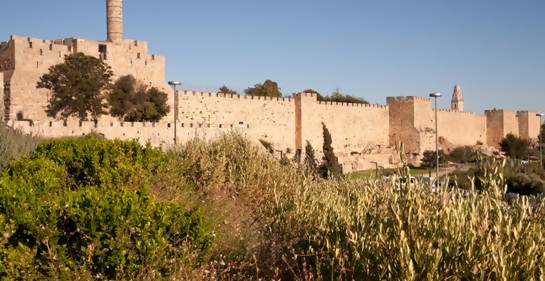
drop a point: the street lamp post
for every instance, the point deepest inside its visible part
(540, 141)
(376, 168)
(174, 84)
(435, 96)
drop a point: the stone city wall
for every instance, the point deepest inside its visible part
(354, 128)
(30, 58)
(412, 121)
(270, 119)
(155, 133)
(529, 125)
(499, 123)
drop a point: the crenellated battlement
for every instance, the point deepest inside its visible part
(457, 111)
(343, 104)
(232, 96)
(493, 111)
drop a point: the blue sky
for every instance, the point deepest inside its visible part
(495, 49)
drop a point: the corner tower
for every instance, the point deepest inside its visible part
(114, 13)
(457, 102)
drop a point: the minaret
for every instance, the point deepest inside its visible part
(114, 11)
(457, 102)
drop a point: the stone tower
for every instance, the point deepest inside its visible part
(114, 11)
(457, 102)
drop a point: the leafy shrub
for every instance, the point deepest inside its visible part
(80, 208)
(462, 154)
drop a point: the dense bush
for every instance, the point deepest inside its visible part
(82, 208)
(462, 154)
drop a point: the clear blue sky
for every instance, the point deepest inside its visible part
(495, 49)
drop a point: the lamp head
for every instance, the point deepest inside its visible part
(174, 83)
(435, 95)
(540, 114)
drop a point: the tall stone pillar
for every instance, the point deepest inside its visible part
(114, 10)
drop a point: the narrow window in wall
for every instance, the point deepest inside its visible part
(221, 125)
(51, 47)
(20, 116)
(102, 51)
(30, 45)
(37, 64)
(138, 55)
(41, 52)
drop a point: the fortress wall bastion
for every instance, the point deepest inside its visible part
(401, 119)
(35, 56)
(353, 127)
(529, 125)
(499, 123)
(270, 119)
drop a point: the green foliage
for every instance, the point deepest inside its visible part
(339, 97)
(77, 86)
(462, 154)
(310, 162)
(429, 158)
(82, 208)
(526, 184)
(133, 103)
(225, 90)
(13, 144)
(269, 88)
(515, 147)
(330, 167)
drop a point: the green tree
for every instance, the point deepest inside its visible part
(310, 159)
(78, 86)
(339, 97)
(225, 90)
(462, 154)
(330, 167)
(429, 158)
(515, 147)
(269, 88)
(133, 103)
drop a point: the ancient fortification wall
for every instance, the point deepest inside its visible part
(500, 122)
(360, 133)
(529, 125)
(27, 59)
(412, 121)
(270, 119)
(355, 128)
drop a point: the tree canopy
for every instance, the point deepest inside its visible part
(78, 86)
(269, 88)
(225, 90)
(136, 103)
(515, 147)
(339, 97)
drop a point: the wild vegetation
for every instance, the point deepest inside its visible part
(225, 209)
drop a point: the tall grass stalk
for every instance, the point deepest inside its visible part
(14, 143)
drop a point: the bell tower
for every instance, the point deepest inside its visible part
(114, 13)
(457, 102)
